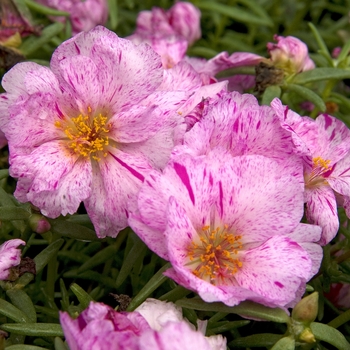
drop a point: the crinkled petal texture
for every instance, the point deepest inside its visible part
(10, 256)
(91, 127)
(237, 123)
(100, 327)
(226, 224)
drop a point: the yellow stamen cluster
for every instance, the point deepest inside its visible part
(88, 136)
(214, 256)
(319, 167)
(319, 162)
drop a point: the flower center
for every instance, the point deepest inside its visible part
(317, 174)
(213, 256)
(88, 135)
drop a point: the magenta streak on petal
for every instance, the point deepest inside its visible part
(235, 126)
(342, 173)
(328, 121)
(132, 171)
(278, 284)
(77, 48)
(59, 111)
(220, 199)
(333, 135)
(182, 173)
(330, 206)
(81, 323)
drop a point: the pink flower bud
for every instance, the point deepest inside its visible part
(10, 256)
(290, 54)
(39, 224)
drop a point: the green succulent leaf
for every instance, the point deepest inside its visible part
(246, 308)
(330, 335)
(319, 74)
(34, 329)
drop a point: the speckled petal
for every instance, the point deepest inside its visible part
(333, 138)
(339, 178)
(305, 235)
(322, 210)
(51, 179)
(115, 185)
(265, 199)
(275, 269)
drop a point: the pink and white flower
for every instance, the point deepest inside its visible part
(10, 256)
(324, 147)
(99, 326)
(84, 15)
(230, 226)
(92, 126)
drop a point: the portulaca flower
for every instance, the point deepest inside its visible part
(10, 256)
(84, 15)
(230, 226)
(99, 326)
(92, 126)
(324, 146)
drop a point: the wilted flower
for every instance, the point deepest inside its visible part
(10, 256)
(84, 15)
(230, 226)
(91, 127)
(99, 326)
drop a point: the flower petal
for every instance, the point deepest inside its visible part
(275, 269)
(322, 210)
(265, 199)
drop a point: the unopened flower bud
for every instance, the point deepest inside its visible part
(307, 336)
(307, 308)
(290, 54)
(39, 224)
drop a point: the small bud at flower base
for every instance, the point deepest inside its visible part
(39, 224)
(307, 308)
(307, 336)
